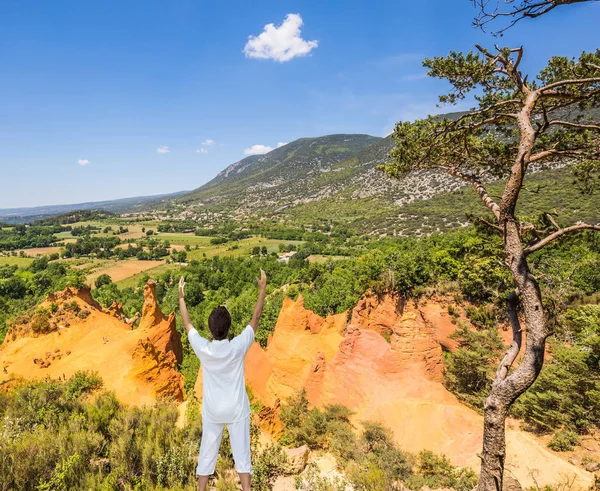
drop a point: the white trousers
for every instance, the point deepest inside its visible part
(239, 436)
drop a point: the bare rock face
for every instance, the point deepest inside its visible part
(413, 342)
(59, 310)
(378, 312)
(158, 369)
(161, 330)
(297, 458)
(116, 310)
(269, 420)
(278, 371)
(84, 294)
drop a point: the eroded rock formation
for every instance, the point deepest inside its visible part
(161, 329)
(72, 332)
(158, 369)
(385, 364)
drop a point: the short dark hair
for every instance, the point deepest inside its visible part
(219, 322)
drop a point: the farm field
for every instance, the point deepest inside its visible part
(184, 239)
(121, 270)
(21, 262)
(239, 247)
(135, 229)
(153, 272)
(41, 251)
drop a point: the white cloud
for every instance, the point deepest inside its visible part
(208, 142)
(201, 150)
(281, 144)
(258, 149)
(83, 162)
(163, 149)
(280, 43)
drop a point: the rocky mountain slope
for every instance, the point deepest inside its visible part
(280, 177)
(310, 170)
(24, 215)
(330, 178)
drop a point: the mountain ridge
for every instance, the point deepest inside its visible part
(31, 213)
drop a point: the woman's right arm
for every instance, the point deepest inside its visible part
(187, 322)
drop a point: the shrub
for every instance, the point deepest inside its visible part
(82, 382)
(483, 317)
(102, 280)
(436, 471)
(311, 480)
(40, 323)
(267, 467)
(72, 306)
(563, 441)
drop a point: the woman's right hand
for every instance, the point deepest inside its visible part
(181, 286)
(262, 281)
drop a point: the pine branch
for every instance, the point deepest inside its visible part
(594, 127)
(559, 233)
(479, 188)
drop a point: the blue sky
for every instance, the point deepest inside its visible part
(103, 99)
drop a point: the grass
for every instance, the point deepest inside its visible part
(320, 258)
(21, 262)
(184, 239)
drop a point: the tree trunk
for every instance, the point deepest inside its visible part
(494, 444)
(507, 388)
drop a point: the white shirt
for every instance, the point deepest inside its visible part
(224, 398)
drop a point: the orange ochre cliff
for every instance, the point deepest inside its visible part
(138, 365)
(383, 361)
(385, 364)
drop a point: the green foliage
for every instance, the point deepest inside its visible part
(371, 460)
(102, 280)
(436, 471)
(57, 440)
(28, 236)
(482, 317)
(569, 385)
(311, 479)
(82, 383)
(471, 367)
(267, 467)
(563, 441)
(40, 323)
(21, 289)
(67, 475)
